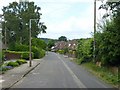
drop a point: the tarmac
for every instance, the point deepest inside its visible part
(14, 75)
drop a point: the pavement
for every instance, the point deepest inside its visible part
(14, 75)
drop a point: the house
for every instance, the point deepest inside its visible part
(60, 45)
(71, 45)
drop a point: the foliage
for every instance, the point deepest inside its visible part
(5, 68)
(50, 44)
(84, 50)
(21, 61)
(66, 50)
(38, 52)
(62, 38)
(108, 44)
(103, 73)
(1, 57)
(19, 47)
(108, 40)
(24, 54)
(13, 64)
(37, 42)
(19, 15)
(60, 51)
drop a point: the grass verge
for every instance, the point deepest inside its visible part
(102, 72)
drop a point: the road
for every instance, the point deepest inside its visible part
(57, 71)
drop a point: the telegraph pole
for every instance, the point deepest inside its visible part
(94, 55)
(30, 54)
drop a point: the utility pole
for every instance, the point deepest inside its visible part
(94, 55)
(30, 54)
(5, 33)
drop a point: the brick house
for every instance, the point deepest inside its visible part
(71, 45)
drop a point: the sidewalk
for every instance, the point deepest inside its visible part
(12, 76)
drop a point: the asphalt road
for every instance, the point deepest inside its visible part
(57, 71)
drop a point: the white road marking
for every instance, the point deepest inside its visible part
(2, 81)
(77, 81)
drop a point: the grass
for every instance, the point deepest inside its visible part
(102, 72)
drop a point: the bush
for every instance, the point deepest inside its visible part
(5, 68)
(61, 51)
(13, 64)
(38, 52)
(85, 50)
(21, 61)
(25, 55)
(42, 53)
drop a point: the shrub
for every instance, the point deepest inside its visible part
(21, 61)
(7, 68)
(25, 55)
(42, 53)
(61, 51)
(3, 69)
(13, 64)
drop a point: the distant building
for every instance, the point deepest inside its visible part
(23, 0)
(71, 45)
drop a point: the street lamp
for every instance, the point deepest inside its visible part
(30, 63)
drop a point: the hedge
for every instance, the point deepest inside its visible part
(24, 55)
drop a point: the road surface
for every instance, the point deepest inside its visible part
(57, 71)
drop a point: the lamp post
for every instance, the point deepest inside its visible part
(30, 58)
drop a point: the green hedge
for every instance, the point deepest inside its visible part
(37, 52)
(24, 55)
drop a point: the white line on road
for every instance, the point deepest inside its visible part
(2, 81)
(78, 82)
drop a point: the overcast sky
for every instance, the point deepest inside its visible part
(71, 18)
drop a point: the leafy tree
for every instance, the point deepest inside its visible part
(85, 49)
(39, 43)
(62, 38)
(17, 16)
(51, 43)
(108, 41)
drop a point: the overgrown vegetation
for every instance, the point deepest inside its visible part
(107, 50)
(85, 50)
(104, 73)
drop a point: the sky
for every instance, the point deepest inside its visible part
(71, 18)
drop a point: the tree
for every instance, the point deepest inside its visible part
(62, 38)
(51, 43)
(37, 42)
(108, 41)
(17, 16)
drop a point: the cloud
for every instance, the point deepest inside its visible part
(71, 18)
(73, 26)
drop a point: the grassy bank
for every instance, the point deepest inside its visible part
(102, 72)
